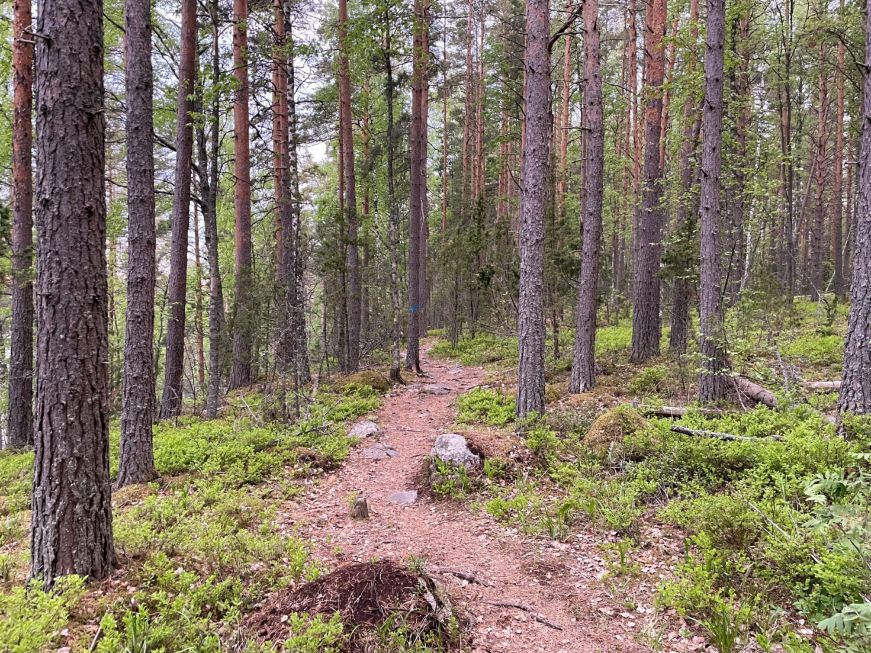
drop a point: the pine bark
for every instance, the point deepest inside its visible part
(72, 509)
(417, 200)
(680, 310)
(173, 393)
(20, 426)
(297, 299)
(855, 396)
(817, 235)
(535, 181)
(243, 319)
(712, 379)
(137, 412)
(838, 178)
(208, 169)
(352, 262)
(284, 336)
(584, 363)
(392, 207)
(645, 317)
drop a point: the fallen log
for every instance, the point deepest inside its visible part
(675, 411)
(822, 386)
(721, 436)
(754, 391)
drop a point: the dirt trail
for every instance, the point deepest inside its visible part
(557, 580)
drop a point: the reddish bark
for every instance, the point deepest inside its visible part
(243, 319)
(171, 403)
(20, 424)
(584, 363)
(645, 316)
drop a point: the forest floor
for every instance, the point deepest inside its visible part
(560, 582)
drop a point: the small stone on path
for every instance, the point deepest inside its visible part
(403, 497)
(434, 389)
(380, 451)
(364, 429)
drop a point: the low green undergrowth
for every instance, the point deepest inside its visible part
(198, 547)
(485, 405)
(777, 521)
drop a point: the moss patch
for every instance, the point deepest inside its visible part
(612, 426)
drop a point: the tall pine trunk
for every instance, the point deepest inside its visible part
(208, 170)
(417, 200)
(645, 316)
(535, 181)
(171, 403)
(712, 379)
(243, 318)
(392, 208)
(352, 261)
(137, 412)
(680, 309)
(838, 177)
(296, 289)
(584, 362)
(71, 500)
(855, 394)
(284, 336)
(20, 432)
(817, 235)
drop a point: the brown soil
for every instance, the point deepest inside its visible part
(480, 562)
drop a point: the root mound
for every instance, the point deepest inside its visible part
(366, 595)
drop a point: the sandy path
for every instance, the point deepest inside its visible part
(557, 580)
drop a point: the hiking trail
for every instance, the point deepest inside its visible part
(558, 582)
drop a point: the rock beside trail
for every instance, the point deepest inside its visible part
(364, 429)
(453, 449)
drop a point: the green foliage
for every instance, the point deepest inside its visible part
(650, 380)
(485, 405)
(611, 340)
(480, 349)
(200, 545)
(31, 617)
(450, 481)
(816, 350)
(15, 479)
(315, 634)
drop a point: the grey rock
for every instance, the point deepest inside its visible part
(434, 389)
(452, 448)
(403, 497)
(380, 451)
(364, 429)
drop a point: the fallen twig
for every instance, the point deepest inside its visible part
(521, 606)
(721, 436)
(464, 575)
